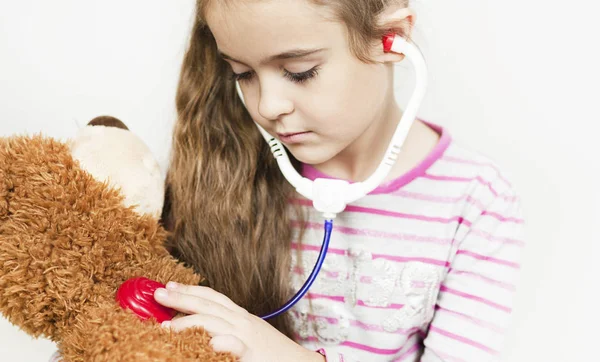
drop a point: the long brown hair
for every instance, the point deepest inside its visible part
(226, 201)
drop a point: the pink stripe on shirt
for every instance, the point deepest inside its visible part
(486, 235)
(361, 303)
(464, 340)
(479, 179)
(476, 299)
(409, 352)
(477, 163)
(502, 218)
(507, 263)
(402, 259)
(361, 325)
(361, 346)
(507, 286)
(439, 199)
(488, 325)
(369, 210)
(375, 233)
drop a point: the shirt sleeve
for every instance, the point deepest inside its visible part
(474, 305)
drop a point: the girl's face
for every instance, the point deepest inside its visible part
(299, 79)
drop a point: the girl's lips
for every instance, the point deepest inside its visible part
(291, 138)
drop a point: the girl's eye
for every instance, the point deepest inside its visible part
(242, 76)
(294, 77)
(302, 77)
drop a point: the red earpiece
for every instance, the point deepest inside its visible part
(388, 40)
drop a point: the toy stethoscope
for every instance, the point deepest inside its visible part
(330, 196)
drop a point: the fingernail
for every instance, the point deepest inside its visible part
(161, 293)
(171, 285)
(166, 324)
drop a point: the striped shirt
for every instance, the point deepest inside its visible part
(422, 269)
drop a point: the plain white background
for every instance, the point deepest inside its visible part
(516, 80)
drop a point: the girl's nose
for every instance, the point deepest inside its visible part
(272, 103)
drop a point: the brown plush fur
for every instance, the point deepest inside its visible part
(66, 244)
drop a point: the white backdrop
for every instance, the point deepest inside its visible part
(514, 79)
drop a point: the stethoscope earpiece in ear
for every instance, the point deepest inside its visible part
(392, 42)
(388, 41)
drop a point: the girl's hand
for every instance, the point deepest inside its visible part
(232, 328)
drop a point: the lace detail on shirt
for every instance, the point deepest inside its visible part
(328, 330)
(381, 277)
(336, 278)
(363, 282)
(301, 323)
(420, 284)
(333, 333)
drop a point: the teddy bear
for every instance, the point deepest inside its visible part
(78, 219)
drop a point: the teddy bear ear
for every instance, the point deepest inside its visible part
(107, 121)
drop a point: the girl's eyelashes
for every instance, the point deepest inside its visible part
(242, 76)
(302, 77)
(294, 77)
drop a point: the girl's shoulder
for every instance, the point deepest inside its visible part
(463, 162)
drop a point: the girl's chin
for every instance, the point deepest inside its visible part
(309, 155)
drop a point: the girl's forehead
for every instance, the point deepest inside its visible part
(252, 8)
(251, 29)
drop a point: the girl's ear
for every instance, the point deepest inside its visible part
(399, 20)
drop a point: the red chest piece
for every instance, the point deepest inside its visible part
(137, 294)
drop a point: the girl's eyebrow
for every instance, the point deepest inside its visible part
(290, 54)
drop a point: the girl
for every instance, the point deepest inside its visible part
(422, 269)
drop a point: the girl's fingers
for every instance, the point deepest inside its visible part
(179, 315)
(229, 343)
(190, 304)
(215, 326)
(205, 293)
